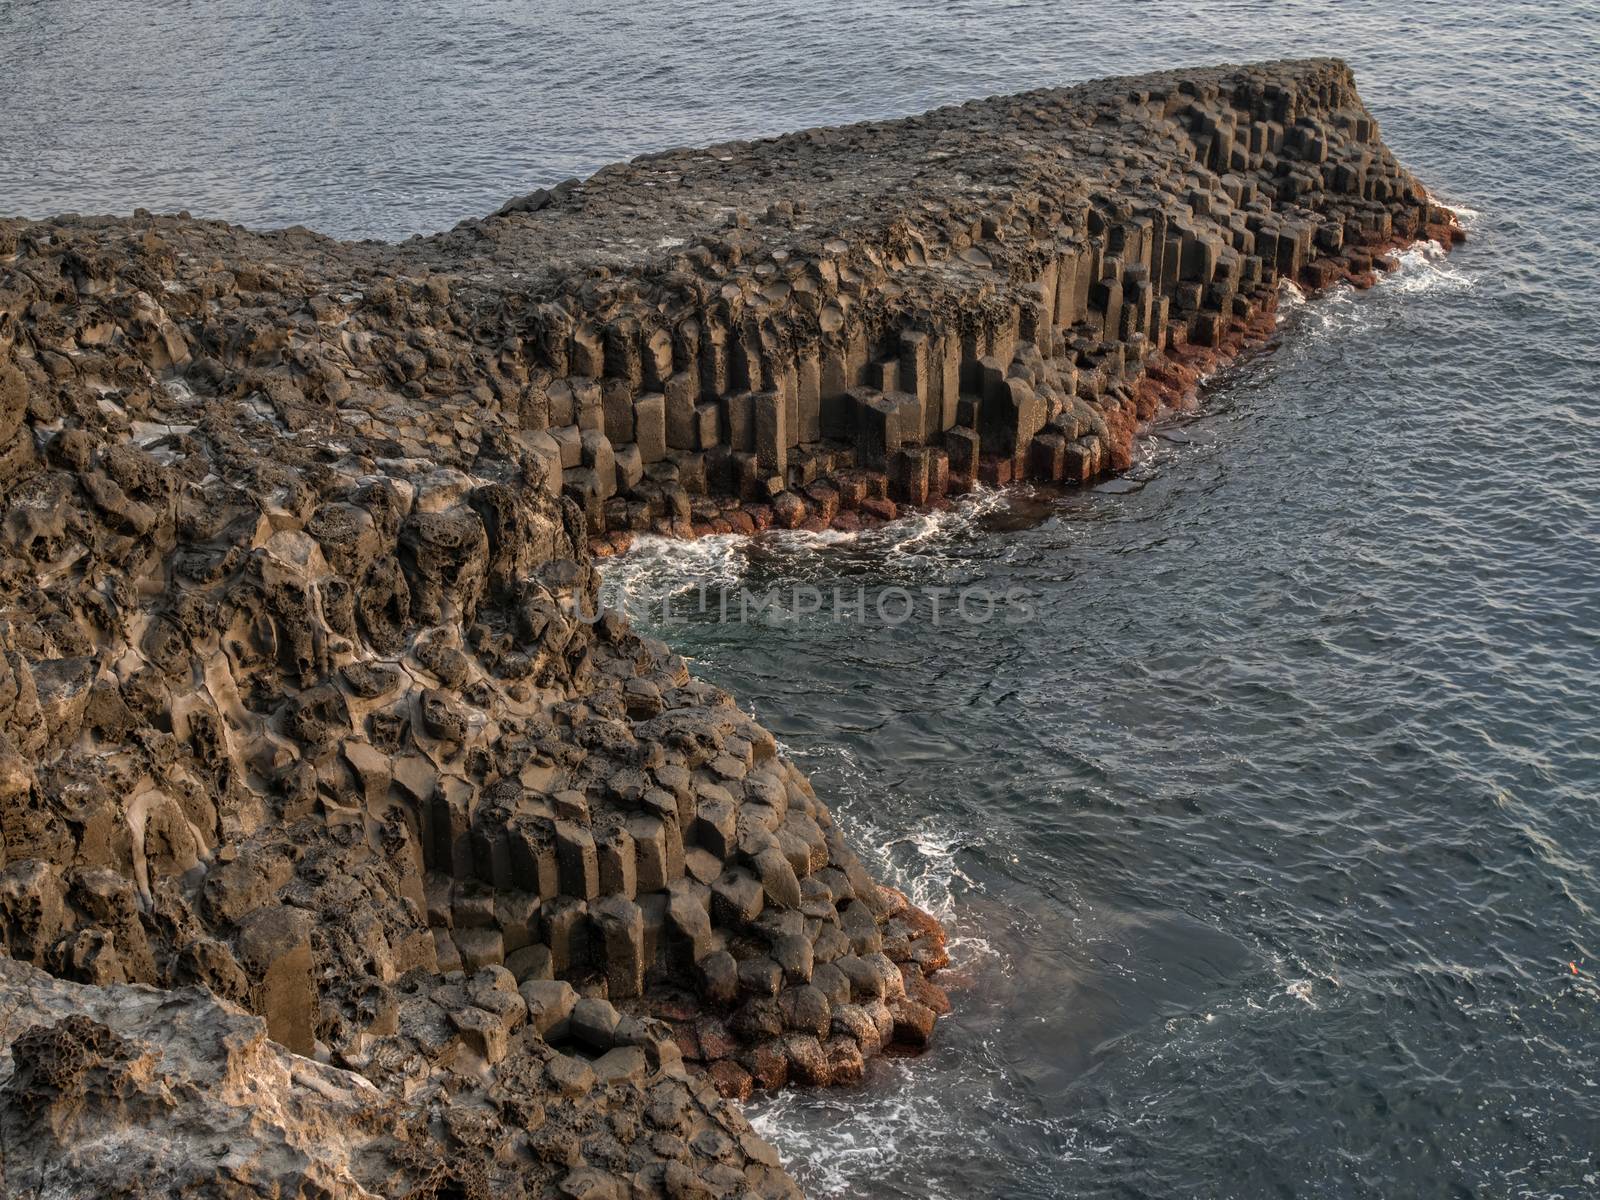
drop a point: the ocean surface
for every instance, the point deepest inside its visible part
(1269, 843)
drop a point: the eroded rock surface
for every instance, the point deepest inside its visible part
(303, 701)
(124, 1090)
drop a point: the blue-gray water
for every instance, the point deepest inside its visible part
(1268, 843)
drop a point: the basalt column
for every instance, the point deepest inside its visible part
(974, 308)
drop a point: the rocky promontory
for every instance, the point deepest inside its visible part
(347, 849)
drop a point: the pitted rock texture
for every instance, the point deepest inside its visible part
(119, 1091)
(130, 1091)
(304, 699)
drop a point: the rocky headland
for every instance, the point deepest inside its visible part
(345, 853)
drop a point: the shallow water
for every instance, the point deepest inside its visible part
(1267, 843)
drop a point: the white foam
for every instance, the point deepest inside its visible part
(928, 879)
(656, 569)
(837, 1142)
(1421, 269)
(1467, 215)
(1427, 267)
(1291, 296)
(1300, 989)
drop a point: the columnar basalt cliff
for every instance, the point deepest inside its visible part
(304, 711)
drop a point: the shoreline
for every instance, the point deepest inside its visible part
(306, 757)
(1169, 381)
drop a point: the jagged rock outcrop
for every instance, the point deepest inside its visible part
(129, 1091)
(304, 699)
